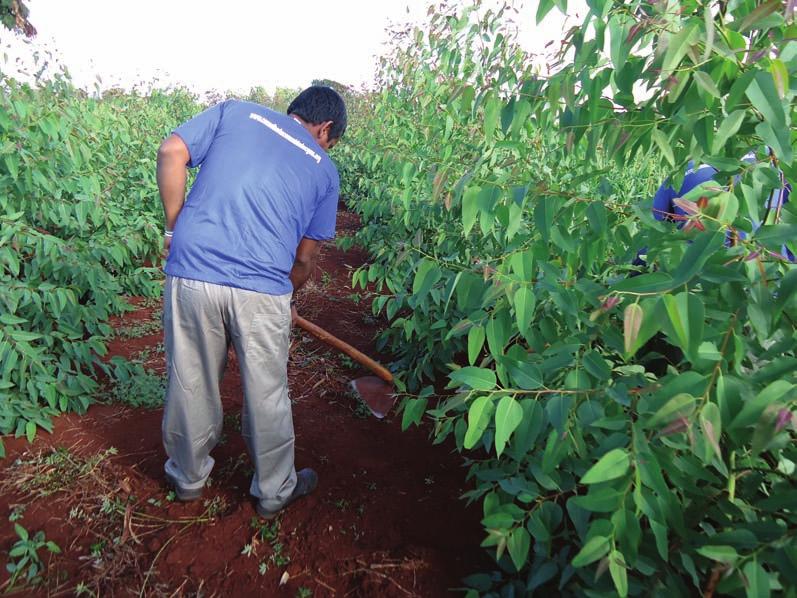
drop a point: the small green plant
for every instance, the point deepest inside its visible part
(16, 513)
(25, 561)
(303, 592)
(135, 385)
(141, 328)
(265, 531)
(347, 362)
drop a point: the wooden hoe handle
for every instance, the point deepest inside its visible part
(346, 348)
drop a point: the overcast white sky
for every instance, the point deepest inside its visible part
(235, 44)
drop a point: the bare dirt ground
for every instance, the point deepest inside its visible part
(386, 519)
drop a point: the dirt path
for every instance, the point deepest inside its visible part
(385, 521)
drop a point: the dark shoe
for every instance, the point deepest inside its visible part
(306, 482)
(182, 494)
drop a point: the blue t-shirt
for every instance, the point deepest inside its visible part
(263, 185)
(663, 206)
(665, 209)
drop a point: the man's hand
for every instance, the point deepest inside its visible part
(167, 245)
(294, 314)
(304, 263)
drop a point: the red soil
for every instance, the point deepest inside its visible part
(385, 520)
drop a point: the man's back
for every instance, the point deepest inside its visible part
(264, 184)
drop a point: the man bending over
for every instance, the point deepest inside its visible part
(243, 241)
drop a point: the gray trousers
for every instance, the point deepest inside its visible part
(200, 320)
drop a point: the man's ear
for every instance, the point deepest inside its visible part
(326, 129)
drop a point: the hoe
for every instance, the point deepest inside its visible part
(376, 392)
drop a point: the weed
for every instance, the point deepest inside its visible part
(44, 475)
(142, 328)
(428, 480)
(24, 557)
(355, 298)
(304, 592)
(136, 385)
(326, 279)
(16, 513)
(278, 557)
(171, 496)
(342, 504)
(347, 362)
(216, 506)
(360, 410)
(266, 531)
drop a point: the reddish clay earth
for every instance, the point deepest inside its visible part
(386, 519)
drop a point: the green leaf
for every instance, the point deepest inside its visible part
(413, 412)
(728, 128)
(711, 423)
(757, 580)
(525, 375)
(778, 139)
(758, 14)
(618, 571)
(677, 48)
(475, 343)
(780, 75)
(508, 416)
(596, 365)
(775, 235)
(706, 83)
(595, 548)
(30, 431)
(524, 308)
(470, 208)
(612, 465)
(779, 390)
(518, 544)
(764, 96)
(702, 247)
(681, 404)
(425, 277)
(492, 110)
(476, 378)
(11, 319)
(479, 415)
(632, 322)
(664, 145)
(21, 532)
(653, 282)
(719, 553)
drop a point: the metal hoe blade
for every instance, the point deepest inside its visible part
(376, 394)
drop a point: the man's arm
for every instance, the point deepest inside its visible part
(173, 158)
(304, 263)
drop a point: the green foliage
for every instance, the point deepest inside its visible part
(14, 15)
(24, 560)
(635, 421)
(135, 385)
(81, 228)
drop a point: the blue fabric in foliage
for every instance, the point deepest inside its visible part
(663, 206)
(263, 185)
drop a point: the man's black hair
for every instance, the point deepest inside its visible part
(318, 104)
